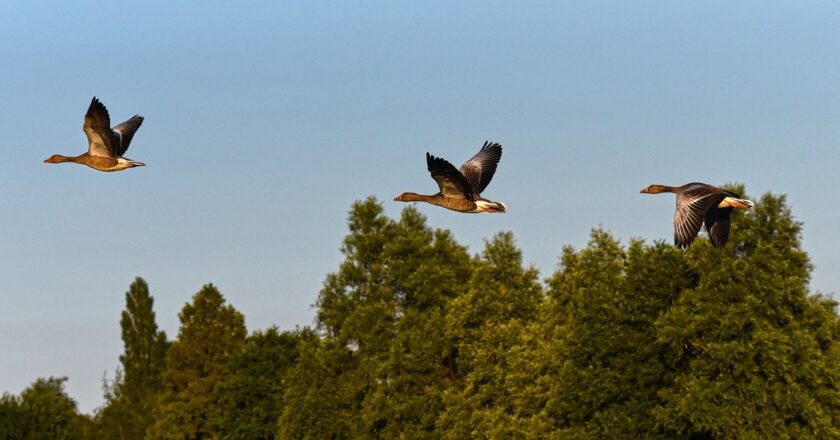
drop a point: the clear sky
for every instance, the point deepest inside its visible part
(266, 120)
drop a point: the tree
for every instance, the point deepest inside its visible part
(752, 354)
(381, 364)
(321, 397)
(130, 398)
(494, 360)
(144, 358)
(422, 270)
(211, 334)
(43, 411)
(114, 419)
(653, 342)
(252, 394)
(12, 416)
(604, 368)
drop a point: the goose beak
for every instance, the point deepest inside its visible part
(643, 191)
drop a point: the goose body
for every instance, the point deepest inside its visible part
(460, 190)
(106, 145)
(699, 203)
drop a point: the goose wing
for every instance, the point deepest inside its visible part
(123, 133)
(693, 202)
(717, 225)
(451, 182)
(480, 168)
(97, 128)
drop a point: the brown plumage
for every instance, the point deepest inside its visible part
(106, 145)
(699, 203)
(460, 190)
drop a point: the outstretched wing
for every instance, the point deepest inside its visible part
(97, 128)
(717, 225)
(451, 182)
(480, 168)
(124, 132)
(692, 205)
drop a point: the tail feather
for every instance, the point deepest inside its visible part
(489, 206)
(732, 202)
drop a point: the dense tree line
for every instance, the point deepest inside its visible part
(416, 338)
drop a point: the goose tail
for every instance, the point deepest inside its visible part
(491, 207)
(732, 202)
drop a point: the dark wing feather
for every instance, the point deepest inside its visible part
(451, 182)
(692, 204)
(97, 128)
(480, 168)
(124, 132)
(717, 225)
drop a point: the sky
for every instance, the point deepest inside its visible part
(266, 120)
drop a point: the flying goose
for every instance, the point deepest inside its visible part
(698, 203)
(105, 145)
(461, 190)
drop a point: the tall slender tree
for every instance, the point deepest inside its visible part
(143, 361)
(130, 396)
(211, 334)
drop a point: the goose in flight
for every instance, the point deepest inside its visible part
(106, 145)
(460, 190)
(698, 203)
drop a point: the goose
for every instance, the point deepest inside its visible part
(106, 145)
(698, 203)
(460, 190)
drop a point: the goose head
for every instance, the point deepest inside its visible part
(56, 158)
(656, 189)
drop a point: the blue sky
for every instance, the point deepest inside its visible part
(266, 120)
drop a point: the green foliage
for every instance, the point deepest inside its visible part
(130, 398)
(752, 354)
(11, 418)
(604, 301)
(416, 339)
(657, 343)
(495, 357)
(211, 334)
(43, 411)
(114, 419)
(145, 350)
(381, 366)
(320, 401)
(252, 393)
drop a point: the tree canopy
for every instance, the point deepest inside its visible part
(416, 338)
(197, 362)
(43, 411)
